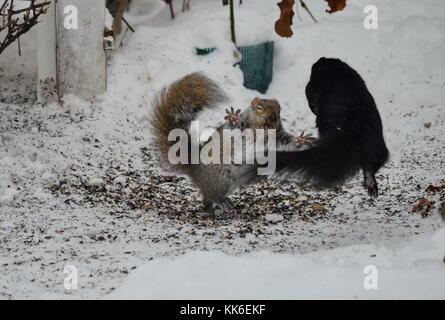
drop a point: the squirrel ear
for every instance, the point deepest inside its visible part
(255, 101)
(277, 103)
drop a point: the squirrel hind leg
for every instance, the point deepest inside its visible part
(222, 207)
(370, 183)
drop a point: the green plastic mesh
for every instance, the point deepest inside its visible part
(204, 51)
(256, 64)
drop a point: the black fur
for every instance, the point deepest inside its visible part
(349, 126)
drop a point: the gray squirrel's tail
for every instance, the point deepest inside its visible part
(178, 105)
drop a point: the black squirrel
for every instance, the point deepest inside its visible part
(180, 104)
(349, 127)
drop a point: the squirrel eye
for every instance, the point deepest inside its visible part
(259, 108)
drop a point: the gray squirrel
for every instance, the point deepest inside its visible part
(180, 104)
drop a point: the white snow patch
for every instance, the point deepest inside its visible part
(96, 181)
(274, 218)
(413, 272)
(120, 180)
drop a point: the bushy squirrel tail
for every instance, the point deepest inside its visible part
(329, 163)
(177, 106)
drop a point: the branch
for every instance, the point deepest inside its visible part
(18, 22)
(305, 7)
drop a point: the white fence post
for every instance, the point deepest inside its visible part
(46, 52)
(81, 61)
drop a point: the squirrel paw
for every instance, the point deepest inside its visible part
(233, 116)
(218, 208)
(304, 140)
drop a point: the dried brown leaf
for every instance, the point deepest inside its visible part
(432, 188)
(318, 207)
(282, 26)
(423, 206)
(335, 5)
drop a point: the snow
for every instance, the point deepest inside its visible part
(414, 271)
(108, 19)
(67, 172)
(273, 218)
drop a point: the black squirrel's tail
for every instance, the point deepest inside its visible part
(328, 163)
(177, 106)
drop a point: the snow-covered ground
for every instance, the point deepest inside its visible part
(354, 272)
(79, 186)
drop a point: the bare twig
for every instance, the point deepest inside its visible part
(18, 22)
(117, 9)
(232, 22)
(170, 4)
(185, 5)
(305, 7)
(128, 25)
